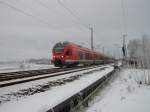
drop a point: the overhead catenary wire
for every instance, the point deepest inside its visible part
(26, 13)
(37, 18)
(40, 2)
(43, 5)
(73, 14)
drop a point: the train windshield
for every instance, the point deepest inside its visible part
(59, 50)
(59, 47)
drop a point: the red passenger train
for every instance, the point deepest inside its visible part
(70, 54)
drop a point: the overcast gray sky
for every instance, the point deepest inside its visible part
(30, 28)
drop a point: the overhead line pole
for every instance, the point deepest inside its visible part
(92, 45)
(124, 49)
(124, 44)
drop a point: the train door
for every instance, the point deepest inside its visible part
(80, 54)
(68, 54)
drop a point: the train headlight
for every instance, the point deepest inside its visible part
(62, 56)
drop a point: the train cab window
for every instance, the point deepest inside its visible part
(69, 52)
(59, 47)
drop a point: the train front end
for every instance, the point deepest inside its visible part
(58, 54)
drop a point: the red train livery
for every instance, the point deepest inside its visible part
(70, 54)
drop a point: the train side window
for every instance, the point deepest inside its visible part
(87, 55)
(80, 55)
(83, 56)
(69, 52)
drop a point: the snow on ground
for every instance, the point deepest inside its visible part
(43, 101)
(21, 67)
(124, 94)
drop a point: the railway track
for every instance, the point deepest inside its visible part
(29, 73)
(12, 78)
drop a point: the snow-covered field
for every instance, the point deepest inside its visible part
(124, 94)
(21, 67)
(43, 101)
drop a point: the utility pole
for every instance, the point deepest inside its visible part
(124, 45)
(92, 45)
(124, 49)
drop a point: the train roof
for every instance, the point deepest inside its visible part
(65, 43)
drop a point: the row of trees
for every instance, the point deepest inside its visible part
(139, 50)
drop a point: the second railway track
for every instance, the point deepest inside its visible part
(30, 73)
(12, 78)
